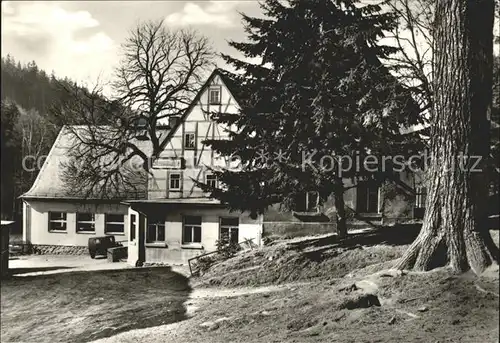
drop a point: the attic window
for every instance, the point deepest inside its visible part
(214, 95)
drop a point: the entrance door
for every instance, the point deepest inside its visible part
(136, 238)
(367, 199)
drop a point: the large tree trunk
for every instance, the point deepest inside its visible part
(455, 229)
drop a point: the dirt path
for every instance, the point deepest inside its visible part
(198, 298)
(199, 295)
(239, 291)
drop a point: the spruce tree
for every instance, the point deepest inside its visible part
(320, 93)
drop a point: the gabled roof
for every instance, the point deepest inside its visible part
(217, 72)
(49, 183)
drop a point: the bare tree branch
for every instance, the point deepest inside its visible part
(119, 139)
(413, 38)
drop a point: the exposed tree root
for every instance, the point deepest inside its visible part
(432, 250)
(455, 230)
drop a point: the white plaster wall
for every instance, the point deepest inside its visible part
(176, 252)
(39, 217)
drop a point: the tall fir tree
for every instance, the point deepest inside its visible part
(320, 93)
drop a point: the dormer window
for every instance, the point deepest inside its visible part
(214, 95)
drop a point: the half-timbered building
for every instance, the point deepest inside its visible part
(173, 219)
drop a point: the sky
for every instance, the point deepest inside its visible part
(81, 39)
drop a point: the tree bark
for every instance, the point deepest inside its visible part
(455, 229)
(340, 214)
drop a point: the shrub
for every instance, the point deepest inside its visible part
(226, 248)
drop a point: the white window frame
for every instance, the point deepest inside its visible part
(215, 89)
(186, 140)
(156, 224)
(192, 227)
(91, 222)
(230, 228)
(170, 188)
(106, 222)
(306, 209)
(316, 207)
(63, 220)
(215, 179)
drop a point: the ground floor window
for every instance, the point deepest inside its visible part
(57, 221)
(85, 222)
(367, 198)
(156, 229)
(229, 230)
(191, 232)
(307, 202)
(114, 224)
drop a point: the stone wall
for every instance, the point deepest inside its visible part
(59, 250)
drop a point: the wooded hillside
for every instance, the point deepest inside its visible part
(29, 125)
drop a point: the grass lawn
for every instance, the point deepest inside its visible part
(83, 306)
